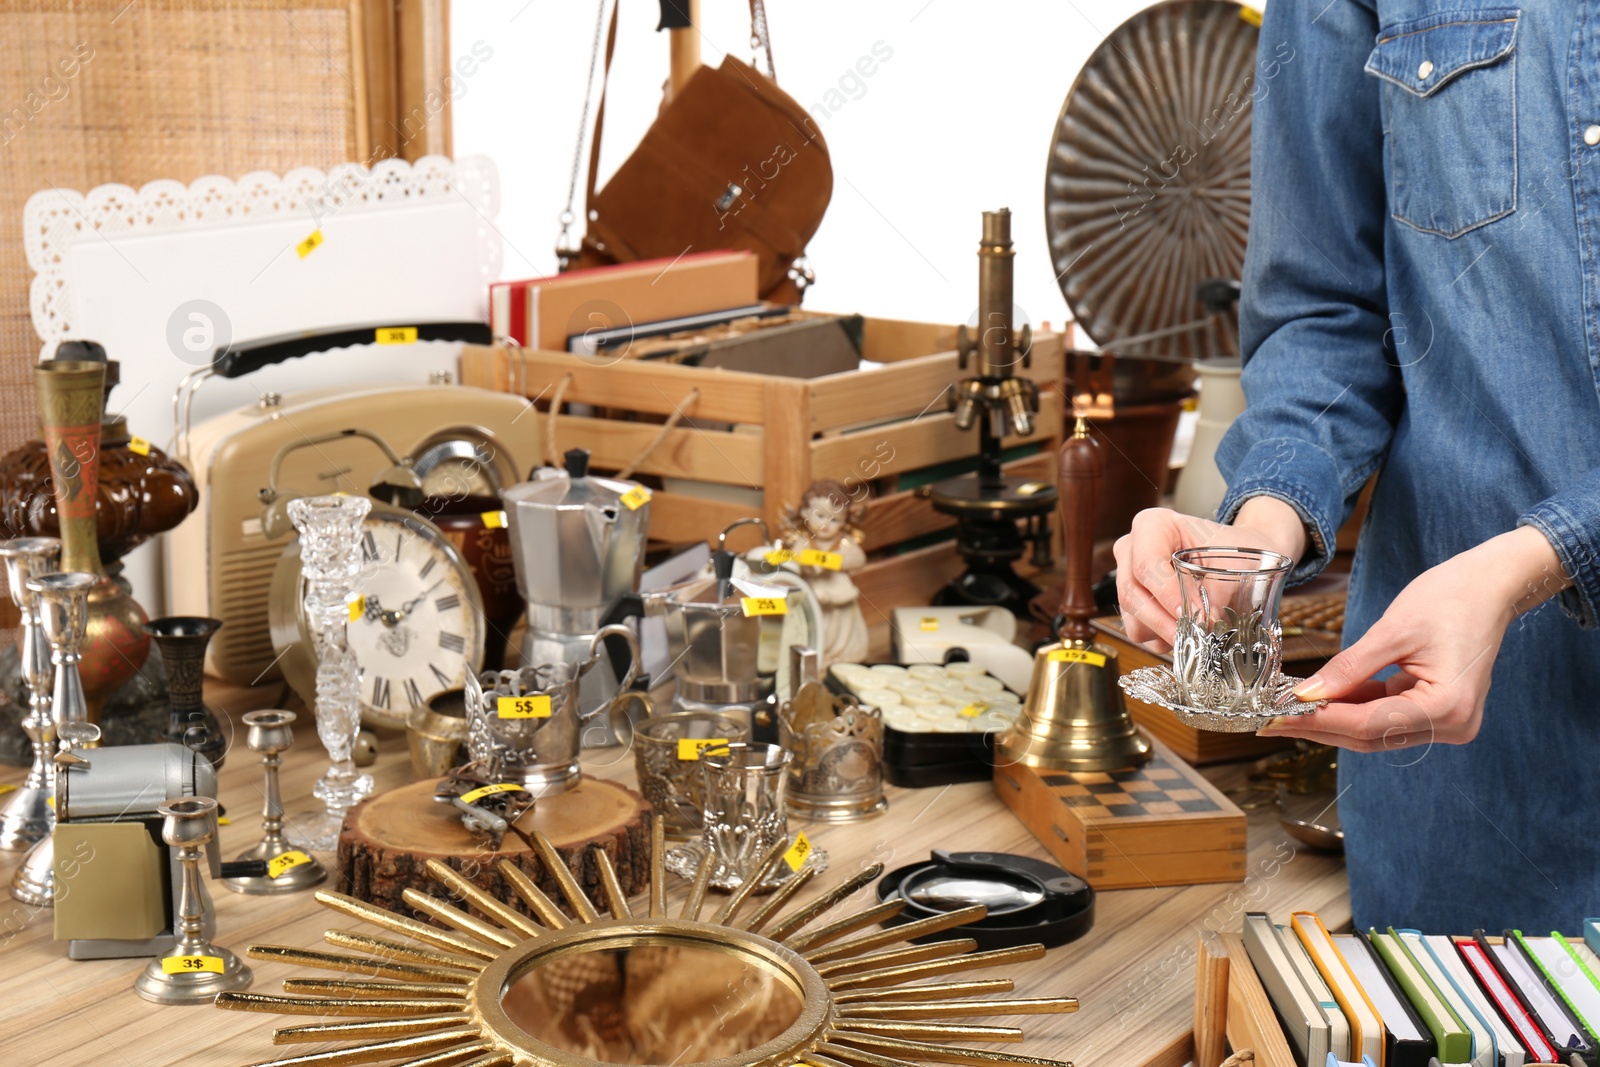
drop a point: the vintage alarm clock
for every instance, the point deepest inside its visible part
(1029, 901)
(417, 627)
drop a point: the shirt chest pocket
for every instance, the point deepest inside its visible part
(1450, 119)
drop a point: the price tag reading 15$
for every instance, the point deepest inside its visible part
(191, 965)
(530, 707)
(1076, 655)
(764, 605)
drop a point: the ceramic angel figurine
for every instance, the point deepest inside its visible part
(824, 533)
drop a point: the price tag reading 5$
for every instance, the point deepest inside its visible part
(689, 748)
(796, 856)
(286, 861)
(813, 557)
(191, 965)
(531, 707)
(764, 605)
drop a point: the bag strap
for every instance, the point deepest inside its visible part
(600, 114)
(760, 38)
(566, 250)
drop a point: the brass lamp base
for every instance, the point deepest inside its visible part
(1074, 718)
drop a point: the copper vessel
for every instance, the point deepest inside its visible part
(71, 396)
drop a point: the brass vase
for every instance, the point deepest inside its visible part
(71, 396)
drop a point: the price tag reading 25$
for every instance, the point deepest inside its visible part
(764, 605)
(529, 707)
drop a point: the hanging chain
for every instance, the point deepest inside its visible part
(566, 250)
(760, 38)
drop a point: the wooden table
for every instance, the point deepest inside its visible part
(1134, 972)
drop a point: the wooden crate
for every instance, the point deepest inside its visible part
(1303, 655)
(754, 442)
(1160, 824)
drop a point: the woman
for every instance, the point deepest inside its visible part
(1422, 301)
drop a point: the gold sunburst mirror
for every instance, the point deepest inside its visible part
(773, 988)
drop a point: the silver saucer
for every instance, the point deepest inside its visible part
(1157, 685)
(685, 861)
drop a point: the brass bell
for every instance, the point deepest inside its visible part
(1074, 718)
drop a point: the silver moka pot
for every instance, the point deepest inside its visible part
(578, 544)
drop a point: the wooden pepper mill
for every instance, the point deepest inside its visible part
(1074, 718)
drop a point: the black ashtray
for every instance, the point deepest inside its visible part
(1029, 901)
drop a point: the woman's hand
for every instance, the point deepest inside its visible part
(1147, 589)
(1443, 631)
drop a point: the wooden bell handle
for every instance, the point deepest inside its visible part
(1081, 470)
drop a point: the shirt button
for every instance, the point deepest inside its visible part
(1591, 136)
(1425, 70)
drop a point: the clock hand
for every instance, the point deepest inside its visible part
(419, 598)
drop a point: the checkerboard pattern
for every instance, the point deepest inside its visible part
(1157, 788)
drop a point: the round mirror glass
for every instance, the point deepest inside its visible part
(666, 1003)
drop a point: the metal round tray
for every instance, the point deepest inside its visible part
(1147, 192)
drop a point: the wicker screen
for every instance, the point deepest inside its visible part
(98, 91)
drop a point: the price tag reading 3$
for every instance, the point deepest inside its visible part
(191, 965)
(796, 856)
(482, 791)
(1076, 655)
(689, 748)
(284, 862)
(764, 605)
(813, 557)
(530, 707)
(636, 498)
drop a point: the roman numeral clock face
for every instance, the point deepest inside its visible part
(419, 629)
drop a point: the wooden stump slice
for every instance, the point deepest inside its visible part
(388, 838)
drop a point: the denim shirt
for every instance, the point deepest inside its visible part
(1422, 300)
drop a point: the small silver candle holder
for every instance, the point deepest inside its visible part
(26, 818)
(271, 733)
(195, 971)
(63, 619)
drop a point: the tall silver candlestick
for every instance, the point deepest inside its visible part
(63, 618)
(330, 559)
(195, 971)
(26, 817)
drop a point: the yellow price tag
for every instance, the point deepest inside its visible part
(796, 856)
(530, 707)
(1250, 15)
(973, 710)
(223, 820)
(395, 335)
(494, 520)
(1031, 488)
(929, 624)
(779, 555)
(310, 244)
(636, 498)
(1076, 655)
(358, 608)
(138, 446)
(50, 802)
(764, 605)
(689, 748)
(813, 557)
(489, 790)
(191, 965)
(286, 861)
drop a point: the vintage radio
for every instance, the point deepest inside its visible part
(461, 441)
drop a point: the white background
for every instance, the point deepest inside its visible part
(957, 121)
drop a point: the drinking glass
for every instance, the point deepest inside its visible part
(1227, 655)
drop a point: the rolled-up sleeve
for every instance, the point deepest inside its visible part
(1570, 521)
(1322, 390)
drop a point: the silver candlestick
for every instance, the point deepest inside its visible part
(63, 619)
(195, 971)
(271, 733)
(26, 817)
(330, 559)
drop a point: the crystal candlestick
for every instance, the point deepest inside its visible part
(195, 970)
(63, 618)
(26, 817)
(330, 559)
(271, 733)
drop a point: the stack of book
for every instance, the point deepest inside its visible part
(1399, 998)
